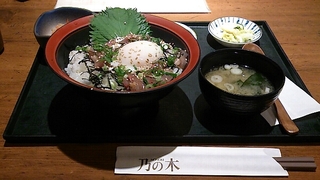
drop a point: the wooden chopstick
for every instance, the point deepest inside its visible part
(297, 163)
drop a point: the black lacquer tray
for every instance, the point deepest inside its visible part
(50, 110)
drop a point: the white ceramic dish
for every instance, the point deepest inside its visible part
(215, 30)
(189, 29)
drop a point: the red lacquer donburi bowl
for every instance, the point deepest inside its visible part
(75, 33)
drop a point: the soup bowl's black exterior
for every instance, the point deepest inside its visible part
(240, 104)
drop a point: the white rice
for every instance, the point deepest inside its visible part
(76, 70)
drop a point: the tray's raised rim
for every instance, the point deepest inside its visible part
(12, 138)
(27, 84)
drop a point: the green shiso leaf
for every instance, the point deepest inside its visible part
(117, 22)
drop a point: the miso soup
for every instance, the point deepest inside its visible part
(240, 80)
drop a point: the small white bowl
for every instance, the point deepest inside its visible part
(215, 30)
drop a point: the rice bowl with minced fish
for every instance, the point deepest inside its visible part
(131, 61)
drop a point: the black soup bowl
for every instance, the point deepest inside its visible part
(240, 104)
(76, 33)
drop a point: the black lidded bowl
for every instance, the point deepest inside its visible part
(240, 104)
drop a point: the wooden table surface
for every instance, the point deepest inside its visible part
(295, 23)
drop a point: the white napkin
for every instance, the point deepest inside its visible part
(143, 6)
(295, 100)
(186, 160)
